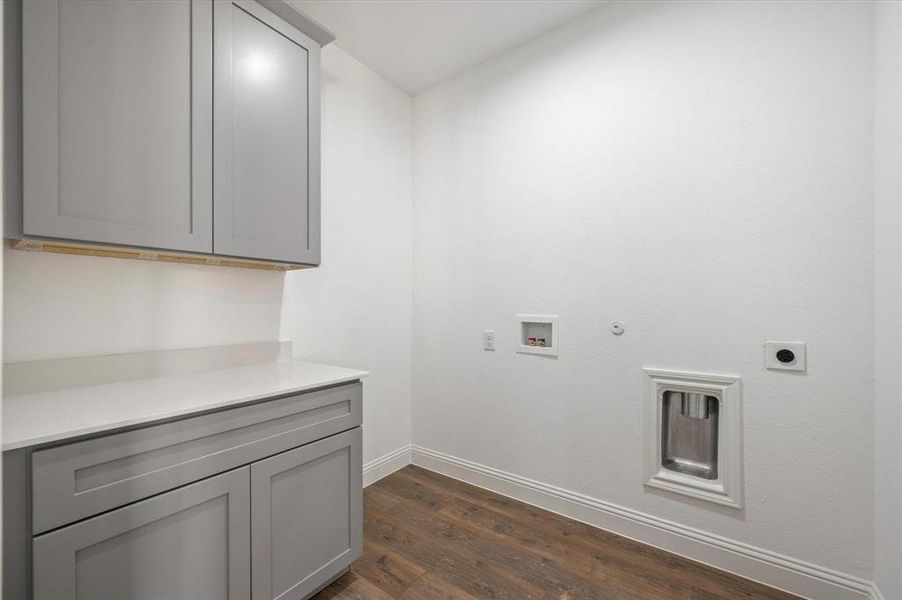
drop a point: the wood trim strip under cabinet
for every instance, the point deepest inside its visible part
(152, 255)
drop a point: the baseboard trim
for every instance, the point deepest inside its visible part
(764, 566)
(385, 465)
(875, 593)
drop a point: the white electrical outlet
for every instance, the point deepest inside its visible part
(785, 356)
(488, 340)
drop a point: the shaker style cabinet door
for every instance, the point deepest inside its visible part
(306, 516)
(192, 543)
(118, 122)
(266, 136)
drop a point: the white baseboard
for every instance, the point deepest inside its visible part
(770, 568)
(875, 593)
(385, 465)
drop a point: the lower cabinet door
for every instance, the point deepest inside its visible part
(190, 543)
(306, 519)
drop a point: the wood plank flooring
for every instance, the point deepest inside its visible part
(429, 537)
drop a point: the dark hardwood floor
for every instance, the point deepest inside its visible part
(428, 537)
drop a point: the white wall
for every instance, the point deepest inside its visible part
(355, 310)
(58, 306)
(701, 171)
(888, 316)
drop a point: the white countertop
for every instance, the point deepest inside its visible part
(38, 418)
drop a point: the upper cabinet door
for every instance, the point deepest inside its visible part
(266, 136)
(118, 122)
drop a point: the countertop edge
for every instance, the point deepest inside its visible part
(19, 444)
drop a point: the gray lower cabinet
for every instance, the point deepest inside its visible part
(87, 477)
(259, 501)
(191, 543)
(306, 518)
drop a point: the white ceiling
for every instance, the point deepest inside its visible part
(416, 44)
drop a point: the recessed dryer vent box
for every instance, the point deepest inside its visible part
(692, 424)
(538, 334)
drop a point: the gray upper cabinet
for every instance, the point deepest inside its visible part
(266, 141)
(306, 518)
(144, 550)
(185, 125)
(118, 122)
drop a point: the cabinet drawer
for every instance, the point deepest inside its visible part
(80, 479)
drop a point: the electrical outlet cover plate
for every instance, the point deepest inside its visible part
(488, 340)
(799, 363)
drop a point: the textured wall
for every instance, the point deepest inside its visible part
(355, 309)
(702, 171)
(888, 315)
